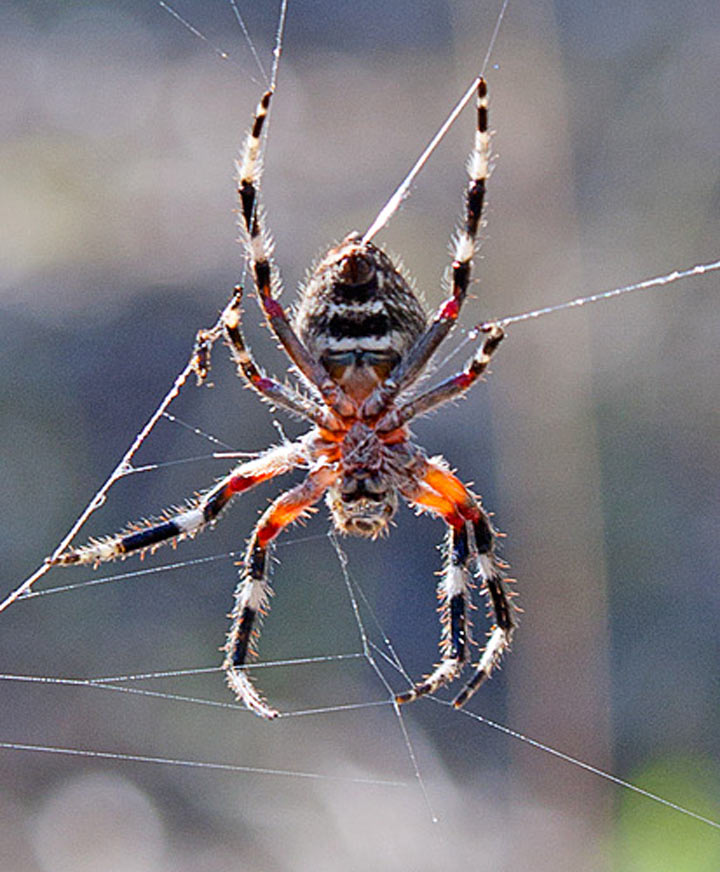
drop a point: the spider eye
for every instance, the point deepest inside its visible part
(356, 268)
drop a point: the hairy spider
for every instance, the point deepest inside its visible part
(359, 339)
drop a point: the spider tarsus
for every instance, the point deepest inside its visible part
(246, 693)
(474, 685)
(445, 672)
(411, 695)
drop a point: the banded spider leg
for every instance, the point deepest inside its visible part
(409, 369)
(470, 545)
(252, 594)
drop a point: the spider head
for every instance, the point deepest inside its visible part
(363, 504)
(350, 267)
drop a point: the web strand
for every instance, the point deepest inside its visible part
(277, 51)
(241, 21)
(196, 764)
(199, 432)
(657, 281)
(107, 685)
(401, 192)
(350, 586)
(204, 670)
(371, 651)
(120, 470)
(614, 779)
(221, 53)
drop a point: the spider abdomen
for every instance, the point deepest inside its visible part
(358, 315)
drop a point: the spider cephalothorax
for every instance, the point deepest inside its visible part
(359, 341)
(364, 499)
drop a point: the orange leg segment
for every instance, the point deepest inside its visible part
(470, 547)
(253, 592)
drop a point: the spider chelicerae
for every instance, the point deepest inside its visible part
(359, 340)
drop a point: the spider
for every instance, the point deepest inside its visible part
(358, 340)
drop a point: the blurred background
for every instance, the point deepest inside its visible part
(594, 441)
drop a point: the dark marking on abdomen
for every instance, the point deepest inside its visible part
(343, 326)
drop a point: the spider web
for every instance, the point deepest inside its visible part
(375, 648)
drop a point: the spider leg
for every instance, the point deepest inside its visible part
(186, 522)
(447, 390)
(489, 569)
(268, 388)
(266, 279)
(471, 540)
(253, 592)
(408, 370)
(453, 593)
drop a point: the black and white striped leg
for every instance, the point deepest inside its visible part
(450, 388)
(178, 524)
(494, 585)
(252, 599)
(453, 593)
(266, 279)
(252, 596)
(464, 250)
(269, 389)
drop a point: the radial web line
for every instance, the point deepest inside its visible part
(657, 281)
(342, 707)
(133, 574)
(587, 766)
(171, 673)
(277, 51)
(394, 661)
(221, 53)
(391, 657)
(241, 21)
(110, 684)
(646, 284)
(401, 192)
(117, 688)
(162, 464)
(196, 764)
(391, 661)
(119, 471)
(151, 570)
(198, 432)
(351, 587)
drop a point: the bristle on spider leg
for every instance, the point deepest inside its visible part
(453, 593)
(147, 535)
(495, 647)
(252, 599)
(239, 682)
(501, 633)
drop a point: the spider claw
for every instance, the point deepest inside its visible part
(475, 683)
